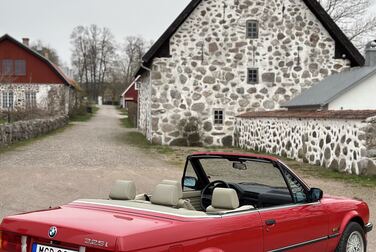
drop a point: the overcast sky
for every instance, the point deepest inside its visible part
(53, 20)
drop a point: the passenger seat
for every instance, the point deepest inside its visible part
(123, 190)
(226, 200)
(170, 193)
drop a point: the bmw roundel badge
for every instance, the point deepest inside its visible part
(52, 232)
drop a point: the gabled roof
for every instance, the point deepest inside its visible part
(130, 86)
(54, 67)
(331, 88)
(343, 44)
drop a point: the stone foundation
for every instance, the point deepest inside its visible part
(23, 130)
(344, 145)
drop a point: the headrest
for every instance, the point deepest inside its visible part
(166, 195)
(225, 198)
(123, 190)
(174, 183)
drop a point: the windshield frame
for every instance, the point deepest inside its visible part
(203, 179)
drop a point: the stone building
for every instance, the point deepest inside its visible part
(349, 90)
(30, 81)
(220, 59)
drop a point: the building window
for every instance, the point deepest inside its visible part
(8, 99)
(218, 116)
(20, 67)
(253, 77)
(7, 67)
(31, 99)
(252, 29)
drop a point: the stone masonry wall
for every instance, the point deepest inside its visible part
(23, 130)
(53, 98)
(210, 55)
(344, 145)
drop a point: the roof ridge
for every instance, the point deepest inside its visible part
(313, 5)
(53, 66)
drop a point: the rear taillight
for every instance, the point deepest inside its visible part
(10, 242)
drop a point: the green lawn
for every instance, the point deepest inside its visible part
(137, 139)
(2, 121)
(84, 116)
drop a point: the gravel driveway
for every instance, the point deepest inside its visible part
(84, 160)
(81, 162)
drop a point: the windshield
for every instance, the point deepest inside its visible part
(243, 172)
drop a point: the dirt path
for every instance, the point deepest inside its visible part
(85, 160)
(81, 162)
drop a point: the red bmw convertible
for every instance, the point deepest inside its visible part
(224, 202)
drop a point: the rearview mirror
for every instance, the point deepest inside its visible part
(315, 195)
(239, 166)
(190, 182)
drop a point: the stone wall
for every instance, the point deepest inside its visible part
(53, 98)
(344, 145)
(210, 55)
(23, 130)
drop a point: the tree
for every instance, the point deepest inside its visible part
(354, 18)
(93, 56)
(45, 50)
(130, 56)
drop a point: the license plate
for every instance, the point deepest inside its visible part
(44, 248)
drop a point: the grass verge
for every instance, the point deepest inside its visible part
(125, 121)
(177, 156)
(138, 140)
(84, 116)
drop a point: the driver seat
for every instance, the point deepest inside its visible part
(225, 200)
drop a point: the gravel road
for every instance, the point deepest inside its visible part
(81, 162)
(84, 160)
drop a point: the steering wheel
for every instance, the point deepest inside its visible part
(206, 196)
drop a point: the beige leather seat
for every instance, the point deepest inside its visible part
(182, 203)
(165, 195)
(123, 190)
(170, 193)
(225, 200)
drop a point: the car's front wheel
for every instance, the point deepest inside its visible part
(353, 239)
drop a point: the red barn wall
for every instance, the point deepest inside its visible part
(132, 94)
(37, 71)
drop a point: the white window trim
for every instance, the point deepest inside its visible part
(223, 116)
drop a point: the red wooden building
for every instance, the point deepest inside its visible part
(30, 80)
(130, 95)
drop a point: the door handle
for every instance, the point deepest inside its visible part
(270, 222)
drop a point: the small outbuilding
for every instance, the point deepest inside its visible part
(350, 90)
(130, 95)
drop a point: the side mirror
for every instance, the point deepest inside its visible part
(315, 195)
(190, 182)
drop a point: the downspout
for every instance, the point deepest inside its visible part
(138, 102)
(149, 108)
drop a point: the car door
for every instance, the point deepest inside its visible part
(300, 226)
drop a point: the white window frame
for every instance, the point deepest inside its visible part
(31, 99)
(257, 76)
(7, 99)
(254, 34)
(217, 114)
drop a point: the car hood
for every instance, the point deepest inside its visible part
(77, 222)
